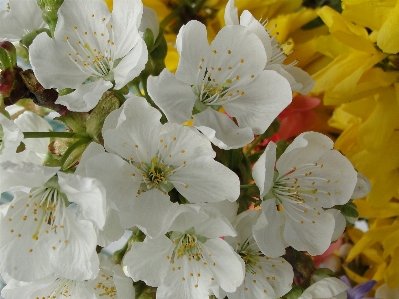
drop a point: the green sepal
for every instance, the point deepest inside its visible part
(350, 210)
(95, 121)
(281, 147)
(76, 121)
(295, 292)
(8, 55)
(73, 153)
(149, 39)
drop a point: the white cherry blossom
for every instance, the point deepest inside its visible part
(309, 176)
(226, 74)
(192, 261)
(41, 232)
(146, 160)
(327, 288)
(265, 278)
(34, 149)
(90, 46)
(20, 18)
(299, 80)
(111, 283)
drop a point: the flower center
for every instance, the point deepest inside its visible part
(249, 256)
(105, 285)
(156, 175)
(91, 59)
(187, 244)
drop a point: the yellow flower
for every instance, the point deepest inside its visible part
(378, 15)
(109, 3)
(351, 54)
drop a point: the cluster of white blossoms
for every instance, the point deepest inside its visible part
(141, 168)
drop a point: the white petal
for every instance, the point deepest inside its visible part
(175, 98)
(11, 139)
(205, 180)
(31, 122)
(75, 257)
(180, 144)
(24, 175)
(263, 169)
(231, 14)
(132, 64)
(221, 130)
(192, 45)
(386, 292)
(88, 193)
(148, 261)
(187, 216)
(326, 288)
(25, 16)
(92, 150)
(85, 97)
(313, 143)
(117, 176)
(307, 229)
(150, 211)
(112, 230)
(340, 224)
(124, 285)
(133, 138)
(24, 257)
(302, 78)
(264, 99)
(55, 69)
(215, 226)
(126, 17)
(241, 64)
(248, 20)
(270, 227)
(150, 21)
(362, 188)
(226, 265)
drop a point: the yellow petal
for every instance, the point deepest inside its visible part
(392, 272)
(388, 40)
(365, 210)
(377, 132)
(366, 13)
(353, 276)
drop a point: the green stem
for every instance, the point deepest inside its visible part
(52, 135)
(148, 98)
(244, 187)
(169, 18)
(255, 143)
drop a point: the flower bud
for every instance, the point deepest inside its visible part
(8, 55)
(50, 9)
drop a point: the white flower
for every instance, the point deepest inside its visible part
(384, 291)
(111, 283)
(192, 261)
(226, 74)
(35, 149)
(265, 278)
(21, 18)
(327, 288)
(299, 80)
(41, 232)
(148, 160)
(90, 45)
(309, 176)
